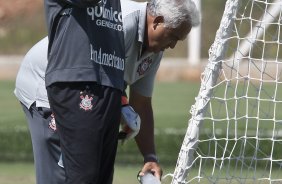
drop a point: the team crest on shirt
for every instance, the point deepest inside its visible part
(52, 123)
(144, 66)
(86, 102)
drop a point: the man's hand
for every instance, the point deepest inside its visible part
(152, 167)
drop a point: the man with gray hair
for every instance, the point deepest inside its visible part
(176, 18)
(149, 29)
(162, 23)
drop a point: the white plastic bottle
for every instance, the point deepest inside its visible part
(149, 178)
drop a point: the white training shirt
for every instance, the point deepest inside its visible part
(30, 81)
(140, 70)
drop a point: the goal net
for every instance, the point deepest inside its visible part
(235, 131)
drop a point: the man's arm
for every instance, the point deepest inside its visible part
(145, 138)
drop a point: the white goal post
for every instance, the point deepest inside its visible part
(235, 131)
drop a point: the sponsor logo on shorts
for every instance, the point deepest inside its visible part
(86, 102)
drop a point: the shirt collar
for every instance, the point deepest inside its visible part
(142, 22)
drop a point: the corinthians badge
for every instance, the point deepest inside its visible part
(52, 123)
(144, 66)
(86, 100)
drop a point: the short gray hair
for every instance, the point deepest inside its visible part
(175, 12)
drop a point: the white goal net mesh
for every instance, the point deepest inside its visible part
(235, 132)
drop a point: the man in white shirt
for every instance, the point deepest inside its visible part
(149, 29)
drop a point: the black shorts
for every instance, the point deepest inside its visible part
(87, 116)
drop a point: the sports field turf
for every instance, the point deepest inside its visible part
(23, 173)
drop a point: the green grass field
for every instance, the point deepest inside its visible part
(23, 173)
